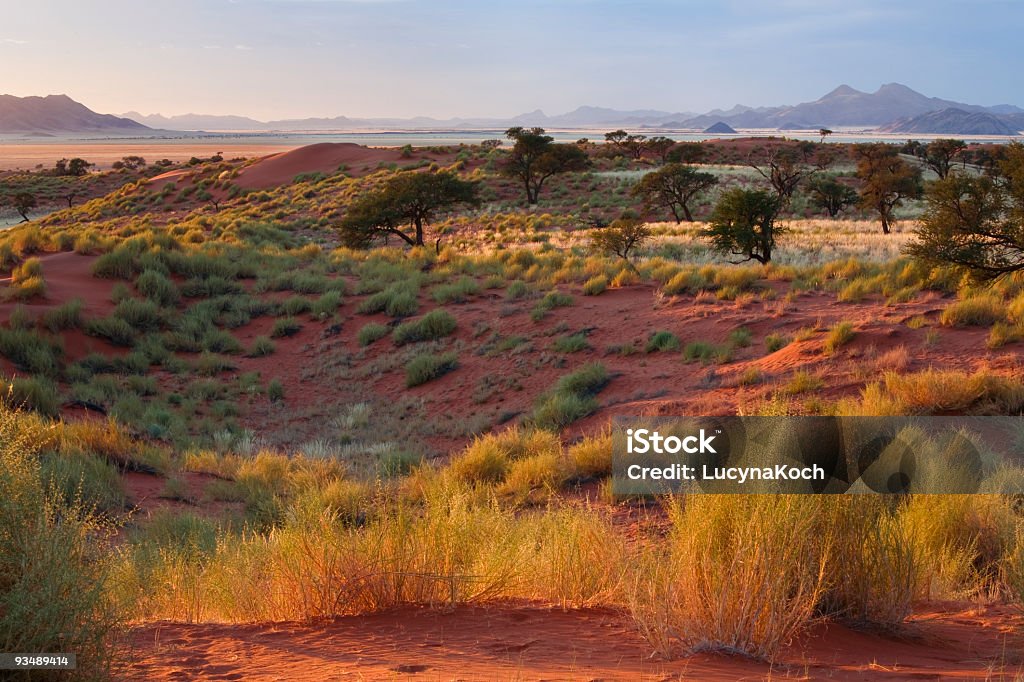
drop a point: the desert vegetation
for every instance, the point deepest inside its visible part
(390, 384)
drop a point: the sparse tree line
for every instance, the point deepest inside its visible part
(974, 209)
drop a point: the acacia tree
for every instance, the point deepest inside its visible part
(832, 196)
(129, 163)
(23, 202)
(660, 146)
(535, 157)
(940, 154)
(403, 206)
(887, 180)
(687, 152)
(673, 187)
(743, 224)
(75, 167)
(785, 166)
(824, 132)
(631, 145)
(977, 222)
(621, 237)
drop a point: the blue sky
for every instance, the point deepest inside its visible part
(297, 58)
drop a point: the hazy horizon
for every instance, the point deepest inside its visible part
(282, 59)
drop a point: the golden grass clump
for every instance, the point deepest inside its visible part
(592, 456)
(938, 391)
(742, 574)
(979, 310)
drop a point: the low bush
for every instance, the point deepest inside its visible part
(572, 398)
(436, 324)
(261, 347)
(595, 285)
(706, 352)
(979, 310)
(158, 287)
(456, 292)
(774, 342)
(286, 326)
(839, 335)
(551, 300)
(65, 316)
(371, 332)
(572, 343)
(114, 329)
(427, 367)
(662, 341)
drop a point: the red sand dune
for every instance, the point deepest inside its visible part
(325, 157)
(169, 177)
(532, 642)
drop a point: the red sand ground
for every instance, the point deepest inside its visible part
(525, 641)
(326, 157)
(655, 383)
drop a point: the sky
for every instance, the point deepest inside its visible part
(274, 59)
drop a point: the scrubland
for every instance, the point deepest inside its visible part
(214, 412)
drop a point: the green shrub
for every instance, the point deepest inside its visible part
(839, 335)
(706, 352)
(434, 325)
(424, 368)
(31, 393)
(774, 342)
(517, 290)
(572, 343)
(262, 346)
(116, 264)
(286, 326)
(157, 287)
(572, 398)
(30, 351)
(275, 390)
(371, 332)
(326, 306)
(142, 314)
(595, 285)
(65, 316)
(456, 292)
(555, 411)
(294, 305)
(741, 337)
(662, 341)
(210, 364)
(397, 300)
(551, 300)
(220, 341)
(79, 476)
(113, 329)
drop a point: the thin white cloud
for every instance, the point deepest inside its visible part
(13, 41)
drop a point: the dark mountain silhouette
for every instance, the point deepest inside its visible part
(720, 129)
(58, 114)
(952, 121)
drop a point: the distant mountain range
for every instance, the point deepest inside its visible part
(843, 107)
(892, 108)
(953, 121)
(582, 117)
(58, 114)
